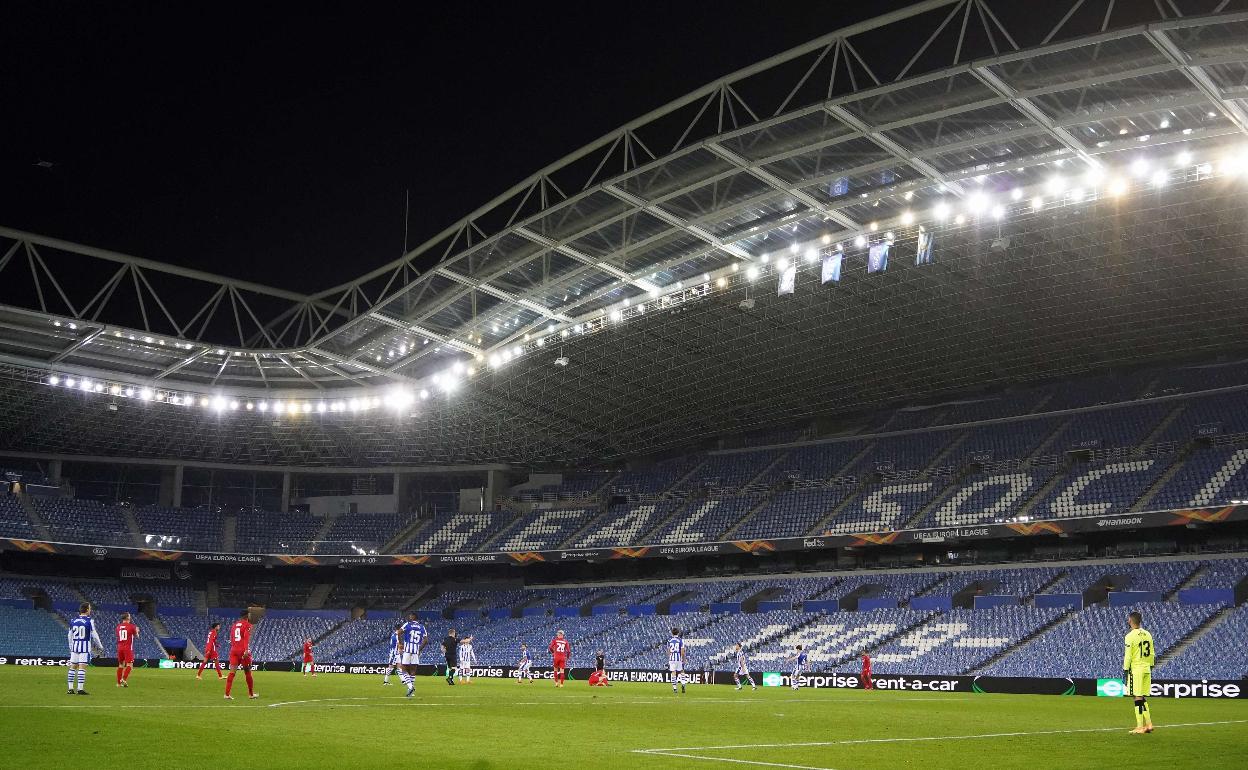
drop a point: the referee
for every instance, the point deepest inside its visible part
(450, 648)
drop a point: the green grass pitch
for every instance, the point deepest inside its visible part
(167, 720)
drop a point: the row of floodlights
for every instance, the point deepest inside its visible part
(397, 398)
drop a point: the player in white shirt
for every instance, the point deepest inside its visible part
(467, 658)
(83, 638)
(676, 659)
(524, 670)
(742, 668)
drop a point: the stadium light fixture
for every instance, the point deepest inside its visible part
(941, 211)
(1159, 178)
(218, 403)
(85, 384)
(99, 387)
(907, 217)
(752, 273)
(1055, 186)
(782, 264)
(1117, 187)
(234, 406)
(765, 258)
(860, 241)
(812, 255)
(263, 406)
(1076, 194)
(875, 226)
(70, 382)
(793, 248)
(1016, 194)
(146, 394)
(1139, 167)
(721, 282)
(54, 380)
(250, 406)
(960, 219)
(129, 392)
(827, 238)
(307, 406)
(1037, 203)
(998, 211)
(115, 390)
(1094, 176)
(978, 203)
(1184, 158)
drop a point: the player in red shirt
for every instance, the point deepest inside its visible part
(866, 672)
(126, 632)
(559, 649)
(211, 653)
(240, 654)
(308, 662)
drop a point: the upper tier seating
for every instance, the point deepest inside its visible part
(198, 529)
(71, 520)
(276, 532)
(13, 519)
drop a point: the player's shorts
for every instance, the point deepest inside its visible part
(394, 658)
(307, 660)
(125, 656)
(211, 655)
(524, 668)
(79, 657)
(1140, 682)
(410, 658)
(675, 667)
(560, 661)
(743, 672)
(239, 659)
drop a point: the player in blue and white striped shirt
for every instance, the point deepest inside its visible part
(412, 638)
(83, 637)
(524, 670)
(742, 669)
(392, 662)
(800, 666)
(676, 659)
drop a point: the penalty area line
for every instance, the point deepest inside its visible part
(681, 751)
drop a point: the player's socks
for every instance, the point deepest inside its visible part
(251, 684)
(82, 680)
(1148, 716)
(70, 678)
(1139, 714)
(119, 670)
(229, 684)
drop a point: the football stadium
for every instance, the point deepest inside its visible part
(857, 409)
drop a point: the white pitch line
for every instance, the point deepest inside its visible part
(677, 752)
(734, 761)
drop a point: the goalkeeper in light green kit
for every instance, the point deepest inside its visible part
(1137, 671)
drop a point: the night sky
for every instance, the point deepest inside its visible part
(277, 147)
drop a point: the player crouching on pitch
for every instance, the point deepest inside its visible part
(1137, 671)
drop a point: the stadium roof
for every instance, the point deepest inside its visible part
(1074, 164)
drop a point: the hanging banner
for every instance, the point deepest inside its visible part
(832, 267)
